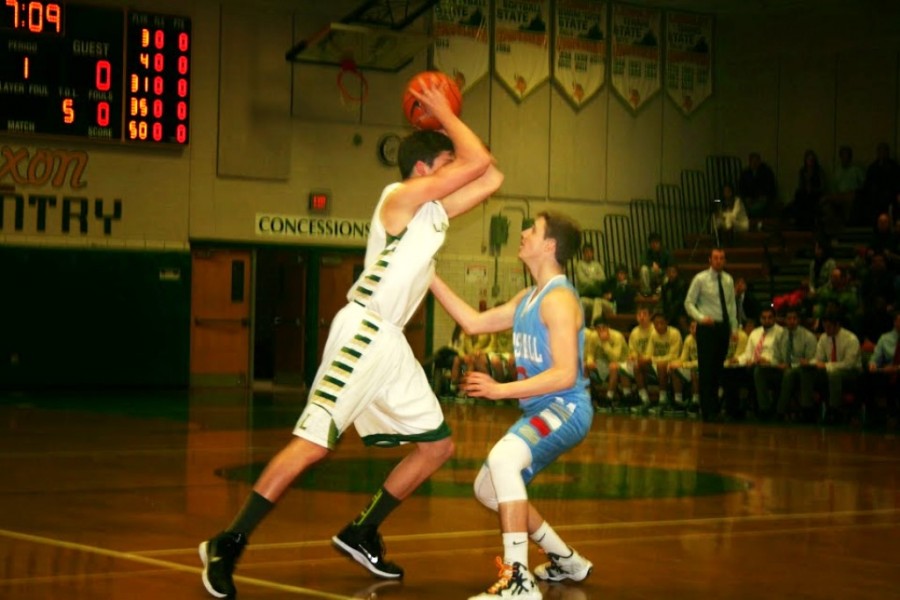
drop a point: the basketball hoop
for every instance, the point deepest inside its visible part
(348, 65)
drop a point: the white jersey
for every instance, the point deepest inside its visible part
(398, 270)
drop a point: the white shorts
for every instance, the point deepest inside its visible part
(370, 377)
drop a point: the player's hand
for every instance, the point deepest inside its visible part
(434, 99)
(481, 385)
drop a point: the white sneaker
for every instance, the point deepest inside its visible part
(574, 567)
(516, 581)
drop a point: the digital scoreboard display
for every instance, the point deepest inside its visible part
(94, 72)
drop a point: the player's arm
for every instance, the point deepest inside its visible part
(498, 318)
(472, 160)
(561, 314)
(474, 193)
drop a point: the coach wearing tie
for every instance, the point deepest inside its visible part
(710, 301)
(838, 360)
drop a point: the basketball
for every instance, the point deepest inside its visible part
(415, 112)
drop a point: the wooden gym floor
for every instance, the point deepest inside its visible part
(107, 496)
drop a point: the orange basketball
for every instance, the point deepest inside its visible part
(415, 112)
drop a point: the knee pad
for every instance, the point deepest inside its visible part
(505, 462)
(484, 489)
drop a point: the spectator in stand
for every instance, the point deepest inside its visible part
(761, 357)
(883, 376)
(842, 201)
(757, 187)
(672, 296)
(839, 293)
(590, 281)
(821, 265)
(838, 363)
(748, 307)
(809, 192)
(885, 241)
(638, 340)
(654, 264)
(622, 296)
(501, 356)
(663, 347)
(796, 356)
(731, 216)
(881, 186)
(607, 347)
(684, 370)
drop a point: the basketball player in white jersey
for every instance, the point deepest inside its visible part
(368, 375)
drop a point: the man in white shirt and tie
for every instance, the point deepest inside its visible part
(761, 356)
(839, 364)
(797, 356)
(710, 302)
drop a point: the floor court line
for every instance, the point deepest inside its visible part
(562, 528)
(171, 566)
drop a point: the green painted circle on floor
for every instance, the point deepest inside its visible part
(573, 481)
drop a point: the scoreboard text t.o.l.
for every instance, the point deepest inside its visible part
(94, 72)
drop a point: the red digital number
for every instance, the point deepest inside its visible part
(103, 114)
(53, 16)
(182, 88)
(183, 42)
(35, 17)
(181, 134)
(68, 109)
(158, 62)
(181, 111)
(157, 131)
(145, 37)
(182, 65)
(159, 39)
(103, 75)
(158, 86)
(158, 109)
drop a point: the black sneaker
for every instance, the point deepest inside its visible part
(219, 556)
(365, 546)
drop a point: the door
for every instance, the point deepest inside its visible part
(288, 328)
(337, 272)
(220, 317)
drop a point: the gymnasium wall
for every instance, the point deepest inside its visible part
(265, 133)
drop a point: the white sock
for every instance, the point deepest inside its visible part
(610, 394)
(663, 396)
(549, 540)
(515, 548)
(678, 398)
(645, 397)
(695, 398)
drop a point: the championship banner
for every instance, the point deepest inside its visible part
(461, 40)
(689, 77)
(580, 60)
(521, 45)
(636, 55)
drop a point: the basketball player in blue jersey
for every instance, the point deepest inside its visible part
(548, 342)
(369, 375)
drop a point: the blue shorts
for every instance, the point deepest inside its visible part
(552, 431)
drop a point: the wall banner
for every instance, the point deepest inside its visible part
(580, 59)
(689, 77)
(636, 54)
(521, 45)
(461, 40)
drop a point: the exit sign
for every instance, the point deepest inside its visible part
(319, 201)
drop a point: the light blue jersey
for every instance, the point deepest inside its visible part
(556, 422)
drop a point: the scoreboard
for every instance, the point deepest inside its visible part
(94, 72)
